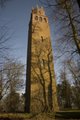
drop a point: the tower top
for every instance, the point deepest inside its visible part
(38, 10)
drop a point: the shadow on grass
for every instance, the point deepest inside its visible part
(68, 114)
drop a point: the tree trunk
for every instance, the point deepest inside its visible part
(75, 36)
(78, 1)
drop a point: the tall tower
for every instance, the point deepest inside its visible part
(40, 83)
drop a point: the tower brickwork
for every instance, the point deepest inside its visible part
(41, 83)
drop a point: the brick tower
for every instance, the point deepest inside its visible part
(40, 83)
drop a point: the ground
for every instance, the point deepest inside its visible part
(42, 116)
(19, 116)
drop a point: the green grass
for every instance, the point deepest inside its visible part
(70, 114)
(15, 115)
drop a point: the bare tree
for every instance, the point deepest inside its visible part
(74, 69)
(4, 47)
(69, 85)
(66, 90)
(11, 81)
(67, 20)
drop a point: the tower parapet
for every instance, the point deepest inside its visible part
(38, 11)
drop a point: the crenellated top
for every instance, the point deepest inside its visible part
(38, 11)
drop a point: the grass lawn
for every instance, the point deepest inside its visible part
(70, 114)
(23, 116)
(15, 116)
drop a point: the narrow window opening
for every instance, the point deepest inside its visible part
(42, 38)
(45, 19)
(40, 19)
(36, 18)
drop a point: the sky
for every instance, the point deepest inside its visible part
(16, 15)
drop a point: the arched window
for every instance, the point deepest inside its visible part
(36, 17)
(45, 19)
(40, 19)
